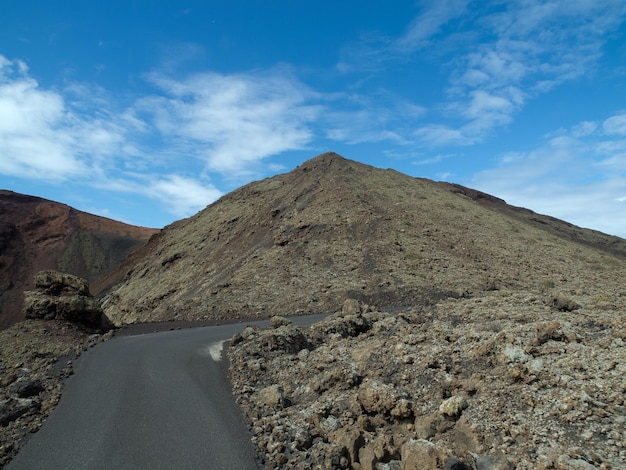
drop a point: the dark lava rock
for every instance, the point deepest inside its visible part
(26, 388)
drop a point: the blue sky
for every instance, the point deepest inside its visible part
(147, 111)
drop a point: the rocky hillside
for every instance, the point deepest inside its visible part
(334, 228)
(37, 234)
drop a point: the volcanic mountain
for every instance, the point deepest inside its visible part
(333, 229)
(37, 234)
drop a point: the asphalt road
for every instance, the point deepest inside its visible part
(153, 401)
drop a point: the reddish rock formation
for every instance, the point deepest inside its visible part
(37, 234)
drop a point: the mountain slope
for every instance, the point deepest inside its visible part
(38, 234)
(334, 228)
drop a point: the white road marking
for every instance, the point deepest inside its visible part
(213, 350)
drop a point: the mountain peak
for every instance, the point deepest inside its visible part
(326, 157)
(334, 228)
(327, 161)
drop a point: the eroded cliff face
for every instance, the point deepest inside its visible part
(502, 380)
(37, 234)
(332, 228)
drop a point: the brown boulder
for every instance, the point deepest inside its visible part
(64, 297)
(420, 453)
(273, 396)
(56, 283)
(351, 439)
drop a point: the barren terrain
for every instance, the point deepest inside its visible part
(333, 228)
(468, 333)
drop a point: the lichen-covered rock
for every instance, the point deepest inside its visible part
(453, 406)
(563, 303)
(278, 321)
(64, 297)
(350, 438)
(380, 398)
(273, 397)
(493, 462)
(342, 325)
(351, 307)
(284, 339)
(56, 283)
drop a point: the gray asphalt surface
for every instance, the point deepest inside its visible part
(153, 401)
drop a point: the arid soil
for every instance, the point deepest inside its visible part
(37, 234)
(35, 357)
(500, 380)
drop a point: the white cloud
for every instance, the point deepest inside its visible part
(44, 136)
(429, 23)
(440, 135)
(584, 128)
(75, 134)
(496, 65)
(374, 50)
(379, 117)
(183, 196)
(499, 56)
(32, 141)
(489, 109)
(233, 121)
(434, 159)
(578, 176)
(363, 126)
(615, 125)
(518, 51)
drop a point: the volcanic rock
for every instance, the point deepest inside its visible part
(26, 388)
(452, 385)
(64, 297)
(35, 357)
(12, 409)
(453, 406)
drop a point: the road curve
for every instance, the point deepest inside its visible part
(153, 401)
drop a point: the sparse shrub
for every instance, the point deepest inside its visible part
(563, 303)
(414, 256)
(546, 285)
